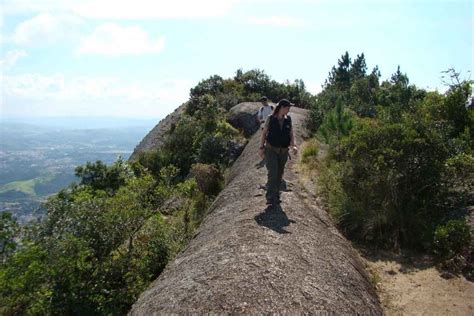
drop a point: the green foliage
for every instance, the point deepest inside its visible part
(341, 76)
(152, 161)
(101, 177)
(104, 240)
(310, 151)
(459, 174)
(95, 252)
(209, 179)
(180, 144)
(392, 172)
(256, 83)
(9, 230)
(454, 108)
(213, 150)
(169, 175)
(337, 124)
(211, 86)
(24, 286)
(348, 86)
(400, 160)
(451, 239)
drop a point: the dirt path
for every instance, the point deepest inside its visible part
(247, 258)
(415, 287)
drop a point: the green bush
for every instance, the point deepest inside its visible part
(400, 158)
(9, 231)
(209, 179)
(99, 176)
(310, 151)
(451, 239)
(104, 240)
(153, 161)
(213, 150)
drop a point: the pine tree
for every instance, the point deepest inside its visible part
(358, 67)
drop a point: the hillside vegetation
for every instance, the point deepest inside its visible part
(398, 175)
(400, 170)
(107, 237)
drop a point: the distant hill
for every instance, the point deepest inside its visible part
(65, 122)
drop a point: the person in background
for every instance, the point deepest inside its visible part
(276, 140)
(265, 110)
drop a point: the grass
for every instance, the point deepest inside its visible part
(310, 151)
(26, 186)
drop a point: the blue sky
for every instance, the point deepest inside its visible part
(140, 58)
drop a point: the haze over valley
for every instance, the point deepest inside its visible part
(37, 158)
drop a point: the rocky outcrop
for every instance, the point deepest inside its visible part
(243, 117)
(247, 258)
(155, 138)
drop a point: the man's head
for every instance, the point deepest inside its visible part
(264, 100)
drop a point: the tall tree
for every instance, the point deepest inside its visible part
(358, 68)
(340, 76)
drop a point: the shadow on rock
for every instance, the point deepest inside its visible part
(260, 164)
(274, 218)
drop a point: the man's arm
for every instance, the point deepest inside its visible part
(259, 116)
(264, 134)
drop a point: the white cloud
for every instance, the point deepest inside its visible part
(12, 7)
(149, 9)
(45, 28)
(124, 9)
(57, 95)
(113, 40)
(11, 57)
(313, 87)
(279, 21)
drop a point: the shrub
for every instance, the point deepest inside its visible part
(451, 239)
(99, 176)
(391, 174)
(213, 150)
(309, 152)
(208, 178)
(153, 161)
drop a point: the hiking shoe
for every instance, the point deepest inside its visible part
(274, 202)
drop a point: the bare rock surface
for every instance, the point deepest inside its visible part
(247, 258)
(243, 116)
(155, 138)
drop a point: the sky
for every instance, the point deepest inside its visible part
(138, 59)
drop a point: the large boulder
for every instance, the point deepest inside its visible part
(243, 116)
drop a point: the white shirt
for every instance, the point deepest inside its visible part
(264, 112)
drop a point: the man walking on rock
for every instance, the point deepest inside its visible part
(264, 111)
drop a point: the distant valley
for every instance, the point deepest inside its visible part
(39, 160)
